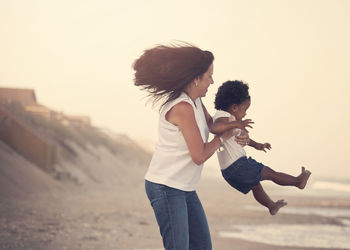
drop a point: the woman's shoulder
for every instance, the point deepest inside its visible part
(179, 112)
(181, 105)
(182, 99)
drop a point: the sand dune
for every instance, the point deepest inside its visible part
(19, 178)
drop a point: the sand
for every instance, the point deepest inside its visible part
(121, 218)
(55, 215)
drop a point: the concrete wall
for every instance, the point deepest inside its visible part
(26, 141)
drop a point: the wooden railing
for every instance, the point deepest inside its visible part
(25, 141)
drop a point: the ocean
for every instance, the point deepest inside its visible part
(326, 236)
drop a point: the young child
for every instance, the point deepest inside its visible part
(244, 174)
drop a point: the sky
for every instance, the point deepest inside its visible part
(295, 56)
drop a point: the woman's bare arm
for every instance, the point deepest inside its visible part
(182, 115)
(223, 124)
(208, 117)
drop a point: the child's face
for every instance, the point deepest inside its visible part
(239, 111)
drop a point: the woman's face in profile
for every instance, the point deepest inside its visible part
(206, 80)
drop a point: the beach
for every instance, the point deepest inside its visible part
(307, 222)
(120, 217)
(81, 114)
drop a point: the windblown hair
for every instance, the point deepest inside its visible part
(165, 71)
(229, 93)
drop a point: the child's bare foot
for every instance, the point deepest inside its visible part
(276, 206)
(303, 177)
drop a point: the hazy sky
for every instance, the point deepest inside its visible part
(295, 55)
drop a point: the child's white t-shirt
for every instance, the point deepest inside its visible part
(232, 151)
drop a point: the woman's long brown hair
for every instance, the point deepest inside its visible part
(165, 71)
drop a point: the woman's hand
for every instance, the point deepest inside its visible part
(244, 124)
(243, 138)
(228, 134)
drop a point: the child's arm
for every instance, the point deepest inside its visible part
(223, 124)
(259, 146)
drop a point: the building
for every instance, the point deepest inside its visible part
(72, 120)
(27, 98)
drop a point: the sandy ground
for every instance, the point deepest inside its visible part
(38, 212)
(121, 218)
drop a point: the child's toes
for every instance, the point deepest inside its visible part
(277, 205)
(304, 178)
(282, 203)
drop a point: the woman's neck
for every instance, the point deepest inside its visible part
(191, 93)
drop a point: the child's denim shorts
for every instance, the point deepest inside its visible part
(243, 174)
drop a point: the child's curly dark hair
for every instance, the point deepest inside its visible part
(229, 93)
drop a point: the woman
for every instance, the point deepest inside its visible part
(180, 75)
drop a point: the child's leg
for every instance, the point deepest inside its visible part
(264, 199)
(286, 179)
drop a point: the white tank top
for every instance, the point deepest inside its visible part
(171, 164)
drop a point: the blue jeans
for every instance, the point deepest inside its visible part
(180, 216)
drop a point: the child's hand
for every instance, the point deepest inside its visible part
(263, 146)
